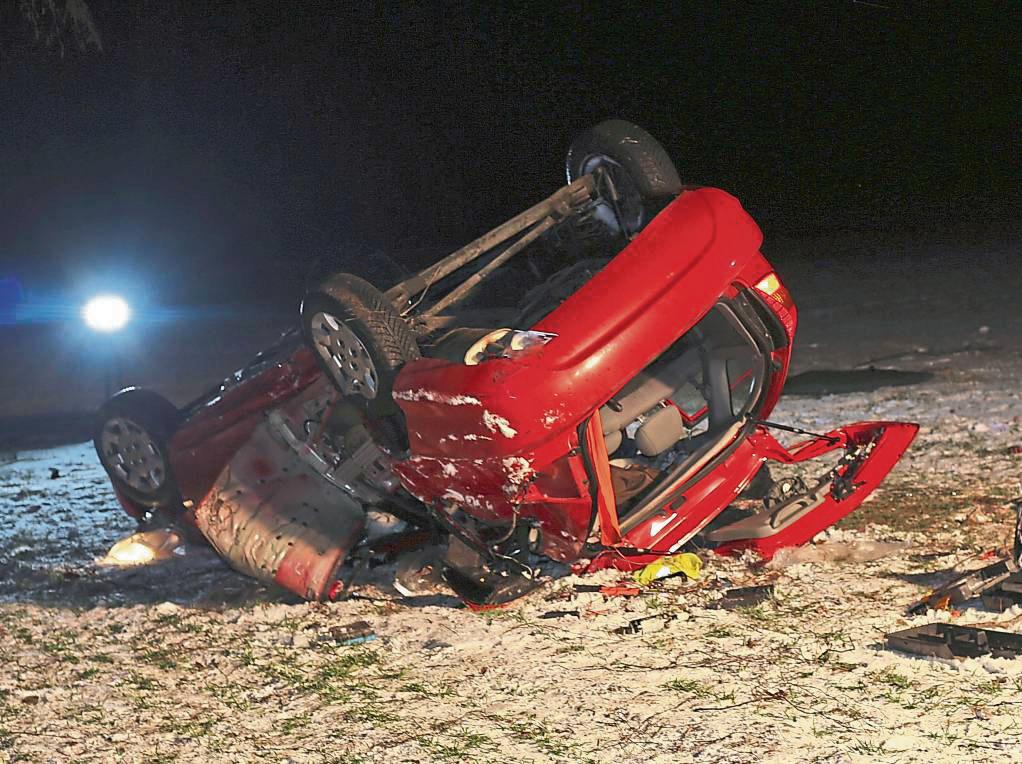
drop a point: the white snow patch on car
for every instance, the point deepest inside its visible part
(434, 397)
(466, 500)
(551, 417)
(518, 470)
(497, 423)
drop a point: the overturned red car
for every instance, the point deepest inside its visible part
(607, 415)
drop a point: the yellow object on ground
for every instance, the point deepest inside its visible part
(144, 547)
(686, 563)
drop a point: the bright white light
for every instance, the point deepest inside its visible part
(106, 313)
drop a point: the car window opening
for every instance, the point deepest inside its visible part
(682, 405)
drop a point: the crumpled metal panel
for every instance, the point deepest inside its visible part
(270, 516)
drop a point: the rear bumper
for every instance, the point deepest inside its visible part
(872, 450)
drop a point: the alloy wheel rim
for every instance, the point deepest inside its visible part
(133, 455)
(345, 356)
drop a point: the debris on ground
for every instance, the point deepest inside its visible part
(1004, 595)
(686, 564)
(354, 633)
(145, 547)
(965, 587)
(745, 596)
(946, 640)
(646, 625)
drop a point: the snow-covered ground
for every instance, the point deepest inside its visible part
(187, 661)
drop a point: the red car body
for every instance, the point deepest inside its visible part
(520, 439)
(217, 425)
(502, 438)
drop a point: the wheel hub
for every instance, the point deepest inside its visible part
(133, 455)
(346, 357)
(629, 203)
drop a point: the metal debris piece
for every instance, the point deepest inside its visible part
(945, 640)
(271, 517)
(745, 596)
(1005, 595)
(354, 633)
(637, 625)
(965, 588)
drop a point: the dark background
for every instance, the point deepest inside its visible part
(212, 152)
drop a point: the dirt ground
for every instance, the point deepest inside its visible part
(187, 661)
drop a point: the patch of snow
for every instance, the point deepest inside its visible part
(423, 394)
(497, 423)
(463, 499)
(518, 470)
(551, 417)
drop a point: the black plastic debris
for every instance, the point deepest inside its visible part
(945, 640)
(560, 614)
(638, 625)
(745, 596)
(1004, 595)
(485, 588)
(966, 587)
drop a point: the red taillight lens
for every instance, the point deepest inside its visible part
(779, 300)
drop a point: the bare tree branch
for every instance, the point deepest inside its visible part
(55, 22)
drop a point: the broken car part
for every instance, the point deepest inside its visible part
(965, 587)
(945, 640)
(1006, 594)
(640, 625)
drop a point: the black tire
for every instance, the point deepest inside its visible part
(638, 166)
(383, 335)
(131, 435)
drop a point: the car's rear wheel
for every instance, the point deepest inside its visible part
(131, 436)
(642, 175)
(359, 339)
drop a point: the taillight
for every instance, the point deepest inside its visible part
(779, 300)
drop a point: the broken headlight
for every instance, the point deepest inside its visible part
(505, 343)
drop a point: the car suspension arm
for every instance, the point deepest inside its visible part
(560, 204)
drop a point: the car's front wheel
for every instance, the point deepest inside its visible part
(132, 432)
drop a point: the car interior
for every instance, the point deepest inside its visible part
(685, 400)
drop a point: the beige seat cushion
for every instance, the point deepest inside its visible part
(660, 431)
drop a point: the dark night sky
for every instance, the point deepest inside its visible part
(214, 151)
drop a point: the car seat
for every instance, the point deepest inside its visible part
(664, 426)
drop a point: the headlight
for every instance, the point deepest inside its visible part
(505, 343)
